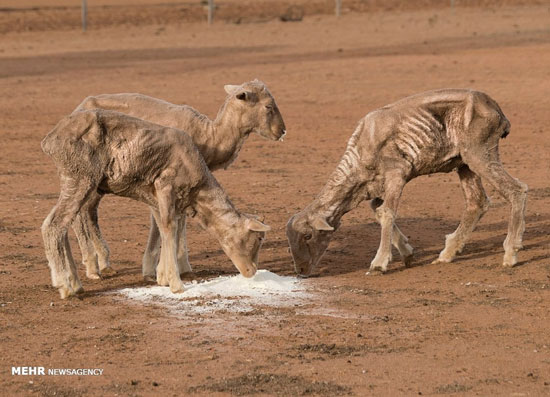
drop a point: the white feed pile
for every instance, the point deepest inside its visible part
(231, 293)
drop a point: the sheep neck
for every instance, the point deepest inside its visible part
(222, 139)
(346, 188)
(215, 211)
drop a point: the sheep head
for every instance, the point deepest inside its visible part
(256, 110)
(308, 237)
(243, 243)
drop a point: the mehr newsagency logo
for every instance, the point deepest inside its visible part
(34, 371)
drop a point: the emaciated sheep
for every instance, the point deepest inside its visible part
(436, 131)
(248, 108)
(101, 152)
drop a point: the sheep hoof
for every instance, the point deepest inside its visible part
(150, 279)
(510, 258)
(108, 271)
(440, 261)
(93, 276)
(375, 271)
(184, 268)
(407, 260)
(380, 265)
(510, 262)
(65, 292)
(177, 288)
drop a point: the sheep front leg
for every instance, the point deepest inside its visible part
(167, 269)
(58, 252)
(152, 251)
(399, 240)
(87, 249)
(72, 197)
(183, 258)
(159, 270)
(101, 247)
(94, 249)
(386, 216)
(383, 255)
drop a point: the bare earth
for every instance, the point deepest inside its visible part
(466, 328)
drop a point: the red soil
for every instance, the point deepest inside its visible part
(470, 327)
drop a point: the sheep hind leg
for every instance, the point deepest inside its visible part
(490, 169)
(55, 235)
(399, 240)
(476, 205)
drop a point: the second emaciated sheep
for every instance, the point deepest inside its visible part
(248, 108)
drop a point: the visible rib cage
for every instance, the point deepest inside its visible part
(350, 160)
(347, 173)
(418, 132)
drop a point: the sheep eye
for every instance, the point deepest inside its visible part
(307, 237)
(269, 107)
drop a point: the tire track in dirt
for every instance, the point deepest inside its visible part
(87, 60)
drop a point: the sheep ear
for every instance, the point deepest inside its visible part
(257, 226)
(321, 224)
(230, 88)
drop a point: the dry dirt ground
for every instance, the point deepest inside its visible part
(466, 328)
